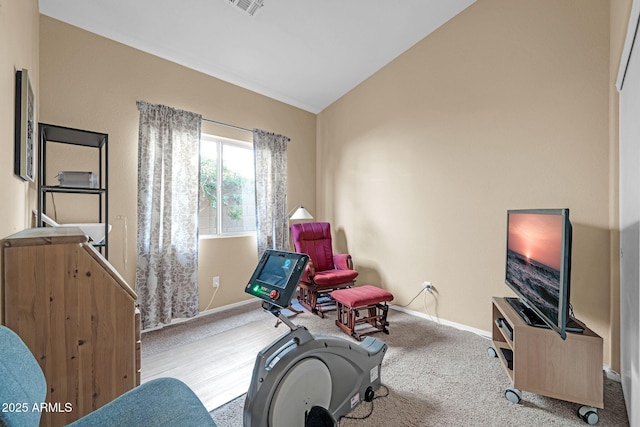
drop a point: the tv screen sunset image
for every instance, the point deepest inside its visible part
(534, 257)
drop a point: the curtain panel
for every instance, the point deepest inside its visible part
(167, 238)
(270, 156)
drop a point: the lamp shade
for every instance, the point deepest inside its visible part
(301, 213)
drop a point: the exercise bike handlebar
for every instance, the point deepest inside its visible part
(277, 312)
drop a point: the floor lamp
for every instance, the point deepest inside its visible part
(298, 213)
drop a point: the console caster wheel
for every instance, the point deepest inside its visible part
(513, 395)
(589, 415)
(492, 352)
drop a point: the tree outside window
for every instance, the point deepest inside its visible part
(227, 187)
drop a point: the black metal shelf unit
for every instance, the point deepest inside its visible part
(48, 133)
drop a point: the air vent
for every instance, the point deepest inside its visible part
(249, 6)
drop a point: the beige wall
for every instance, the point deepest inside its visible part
(18, 50)
(504, 107)
(89, 82)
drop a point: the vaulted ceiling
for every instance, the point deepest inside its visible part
(306, 53)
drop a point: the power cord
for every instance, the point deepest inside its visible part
(426, 292)
(371, 408)
(426, 307)
(571, 310)
(412, 299)
(215, 291)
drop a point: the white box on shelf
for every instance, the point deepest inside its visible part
(77, 179)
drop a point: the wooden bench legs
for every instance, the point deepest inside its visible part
(317, 302)
(351, 323)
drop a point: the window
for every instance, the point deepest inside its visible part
(227, 190)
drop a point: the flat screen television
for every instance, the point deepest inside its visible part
(538, 266)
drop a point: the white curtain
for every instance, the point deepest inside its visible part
(168, 173)
(270, 154)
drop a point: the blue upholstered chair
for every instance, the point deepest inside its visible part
(161, 402)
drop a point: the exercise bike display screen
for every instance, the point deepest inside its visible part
(276, 277)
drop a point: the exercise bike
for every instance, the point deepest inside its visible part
(301, 374)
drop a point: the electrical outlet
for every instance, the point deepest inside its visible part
(428, 286)
(216, 281)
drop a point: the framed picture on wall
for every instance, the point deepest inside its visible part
(24, 163)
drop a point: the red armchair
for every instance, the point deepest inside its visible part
(326, 271)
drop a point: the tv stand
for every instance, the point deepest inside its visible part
(543, 363)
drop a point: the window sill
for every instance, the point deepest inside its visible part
(227, 236)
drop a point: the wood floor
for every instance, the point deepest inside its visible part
(214, 372)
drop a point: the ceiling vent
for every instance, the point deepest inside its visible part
(248, 6)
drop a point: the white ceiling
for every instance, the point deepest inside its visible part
(306, 53)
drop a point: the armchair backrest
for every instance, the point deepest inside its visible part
(314, 239)
(21, 381)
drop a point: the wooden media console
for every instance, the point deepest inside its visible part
(543, 363)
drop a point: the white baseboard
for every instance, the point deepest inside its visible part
(611, 374)
(202, 314)
(483, 334)
(227, 307)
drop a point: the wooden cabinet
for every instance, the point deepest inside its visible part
(76, 314)
(543, 363)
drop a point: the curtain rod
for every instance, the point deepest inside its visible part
(139, 103)
(227, 125)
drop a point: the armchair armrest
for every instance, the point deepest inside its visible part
(160, 402)
(308, 273)
(343, 261)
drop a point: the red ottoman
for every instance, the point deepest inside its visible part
(352, 301)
